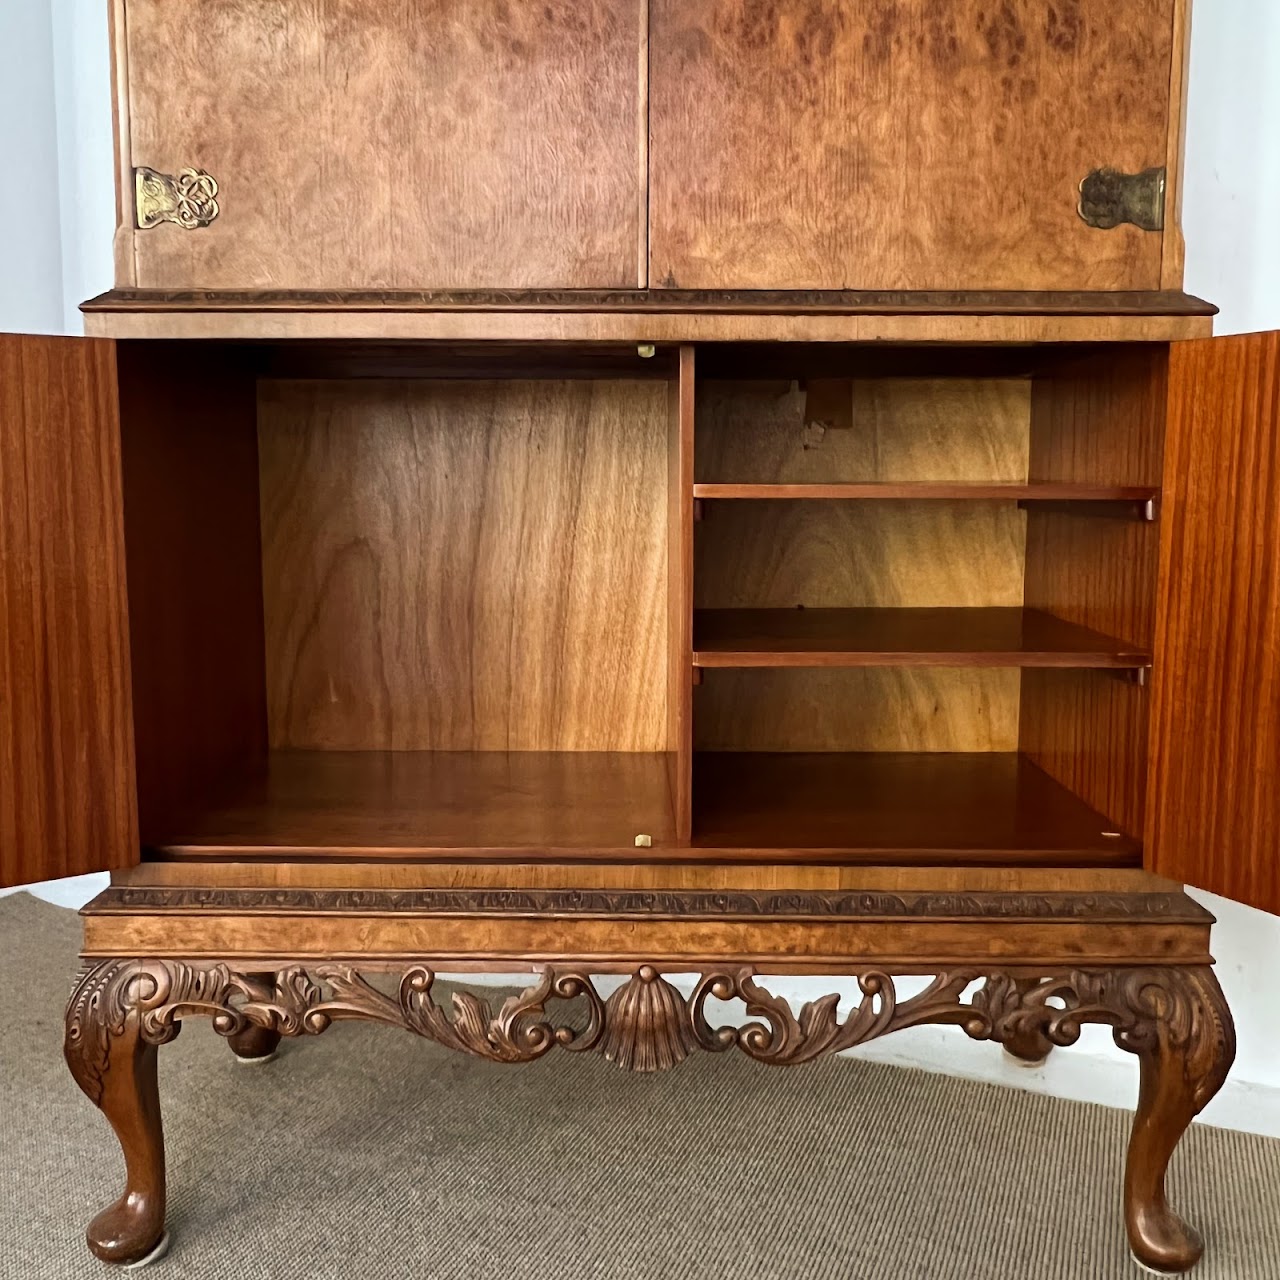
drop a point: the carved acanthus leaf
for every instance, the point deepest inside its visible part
(648, 1025)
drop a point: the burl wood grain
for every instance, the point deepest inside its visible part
(189, 423)
(780, 555)
(914, 144)
(66, 733)
(378, 144)
(466, 565)
(1214, 817)
(1096, 420)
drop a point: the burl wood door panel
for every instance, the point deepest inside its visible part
(378, 144)
(66, 737)
(901, 144)
(1214, 812)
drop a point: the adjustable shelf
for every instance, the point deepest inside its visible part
(933, 491)
(903, 638)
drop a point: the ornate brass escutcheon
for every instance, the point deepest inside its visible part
(189, 200)
(1109, 198)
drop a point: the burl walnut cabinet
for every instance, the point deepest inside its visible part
(644, 487)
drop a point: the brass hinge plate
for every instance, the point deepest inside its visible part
(188, 200)
(1109, 198)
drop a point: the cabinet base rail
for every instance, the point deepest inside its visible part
(1174, 1018)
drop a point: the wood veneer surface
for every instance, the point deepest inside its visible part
(1214, 816)
(1099, 419)
(980, 808)
(680, 446)
(911, 709)
(986, 806)
(902, 637)
(466, 565)
(385, 145)
(833, 554)
(66, 734)
(822, 431)
(407, 803)
(780, 135)
(192, 525)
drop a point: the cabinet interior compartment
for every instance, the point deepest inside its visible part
(841, 604)
(390, 602)
(924, 592)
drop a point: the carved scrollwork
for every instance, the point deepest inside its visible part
(1174, 1019)
(648, 1024)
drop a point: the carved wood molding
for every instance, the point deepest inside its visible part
(678, 904)
(732, 302)
(648, 1024)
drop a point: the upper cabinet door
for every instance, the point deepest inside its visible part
(67, 801)
(375, 144)
(1214, 795)
(903, 144)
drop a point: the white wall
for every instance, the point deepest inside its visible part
(86, 160)
(55, 78)
(30, 204)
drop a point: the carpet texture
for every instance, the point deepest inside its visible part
(367, 1154)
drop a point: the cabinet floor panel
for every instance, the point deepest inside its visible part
(989, 808)
(404, 804)
(953, 637)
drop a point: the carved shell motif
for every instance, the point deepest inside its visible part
(647, 1025)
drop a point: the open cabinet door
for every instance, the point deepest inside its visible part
(67, 800)
(1214, 807)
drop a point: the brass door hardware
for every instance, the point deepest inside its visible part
(189, 200)
(1109, 198)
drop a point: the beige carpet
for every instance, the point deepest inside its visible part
(369, 1155)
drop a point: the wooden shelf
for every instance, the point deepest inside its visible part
(963, 809)
(903, 638)
(932, 491)
(404, 804)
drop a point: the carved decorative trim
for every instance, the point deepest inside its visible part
(648, 1024)
(658, 904)
(188, 200)
(710, 301)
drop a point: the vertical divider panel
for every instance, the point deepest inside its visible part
(680, 593)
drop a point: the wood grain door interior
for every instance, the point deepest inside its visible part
(383, 145)
(67, 802)
(902, 144)
(1214, 799)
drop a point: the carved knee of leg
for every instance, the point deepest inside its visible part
(112, 1055)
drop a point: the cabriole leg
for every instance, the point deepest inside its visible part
(115, 1065)
(1185, 1042)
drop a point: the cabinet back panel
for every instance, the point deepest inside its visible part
(465, 566)
(834, 554)
(780, 135)
(865, 709)
(377, 144)
(850, 429)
